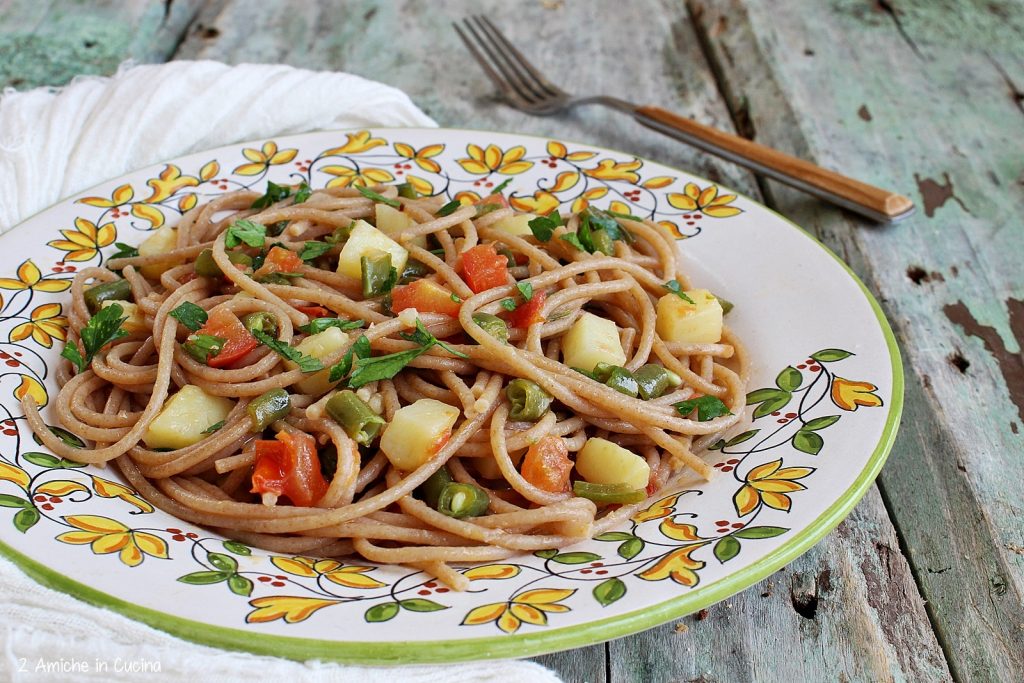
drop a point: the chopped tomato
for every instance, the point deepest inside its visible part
(528, 312)
(484, 268)
(279, 260)
(237, 340)
(547, 465)
(314, 311)
(426, 296)
(289, 467)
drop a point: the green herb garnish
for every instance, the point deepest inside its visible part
(456, 298)
(212, 428)
(366, 370)
(370, 194)
(573, 239)
(305, 363)
(124, 251)
(526, 289)
(312, 250)
(361, 349)
(253, 234)
(509, 304)
(677, 289)
(317, 325)
(542, 227)
(274, 194)
(102, 328)
(501, 187)
(449, 208)
(303, 193)
(190, 315)
(708, 408)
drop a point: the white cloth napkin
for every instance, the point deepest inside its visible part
(54, 143)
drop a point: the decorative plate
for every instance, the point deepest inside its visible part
(825, 402)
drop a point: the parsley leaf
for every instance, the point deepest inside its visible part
(677, 289)
(303, 193)
(305, 363)
(102, 328)
(382, 367)
(313, 250)
(501, 187)
(449, 208)
(361, 349)
(317, 325)
(602, 220)
(370, 194)
(628, 216)
(543, 226)
(509, 304)
(212, 428)
(253, 234)
(456, 298)
(274, 194)
(190, 315)
(572, 239)
(708, 408)
(526, 289)
(124, 251)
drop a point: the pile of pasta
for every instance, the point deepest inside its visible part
(431, 383)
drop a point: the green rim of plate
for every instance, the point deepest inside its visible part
(531, 644)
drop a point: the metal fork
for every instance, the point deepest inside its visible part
(525, 88)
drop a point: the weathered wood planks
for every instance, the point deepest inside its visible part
(922, 95)
(47, 43)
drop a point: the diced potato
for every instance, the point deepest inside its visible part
(418, 431)
(319, 346)
(136, 322)
(393, 223)
(592, 340)
(696, 323)
(518, 224)
(603, 462)
(184, 418)
(363, 241)
(160, 242)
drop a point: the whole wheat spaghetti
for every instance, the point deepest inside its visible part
(354, 371)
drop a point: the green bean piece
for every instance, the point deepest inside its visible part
(602, 242)
(202, 347)
(602, 371)
(268, 408)
(623, 381)
(206, 267)
(529, 401)
(407, 191)
(463, 500)
(261, 321)
(430, 490)
(413, 270)
(116, 290)
(509, 256)
(355, 417)
(608, 493)
(493, 325)
(328, 456)
(376, 273)
(340, 234)
(654, 380)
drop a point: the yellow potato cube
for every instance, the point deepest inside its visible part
(417, 431)
(160, 242)
(319, 346)
(393, 223)
(603, 462)
(592, 340)
(696, 323)
(136, 322)
(518, 224)
(364, 240)
(184, 418)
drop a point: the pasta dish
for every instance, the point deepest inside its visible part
(372, 372)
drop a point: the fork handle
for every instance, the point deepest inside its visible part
(874, 202)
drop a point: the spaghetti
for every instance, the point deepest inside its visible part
(415, 383)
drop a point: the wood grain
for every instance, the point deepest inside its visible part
(47, 43)
(927, 98)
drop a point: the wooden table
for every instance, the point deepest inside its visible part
(924, 581)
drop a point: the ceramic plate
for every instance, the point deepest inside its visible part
(825, 401)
